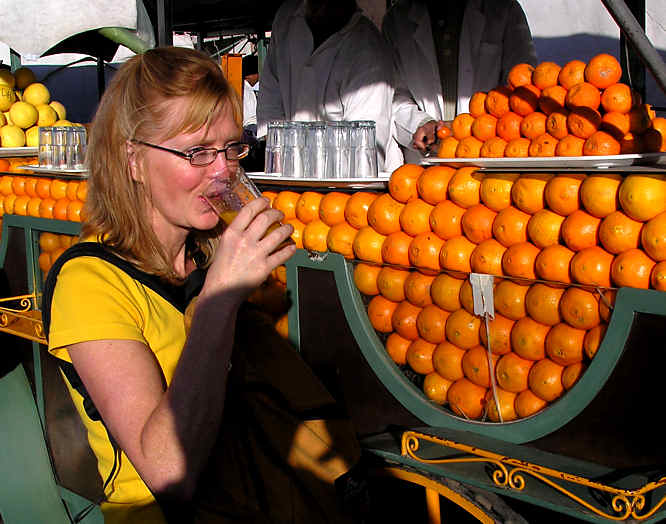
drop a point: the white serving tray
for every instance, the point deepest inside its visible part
(349, 183)
(54, 170)
(17, 151)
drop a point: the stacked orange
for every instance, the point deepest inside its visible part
(558, 243)
(544, 111)
(51, 246)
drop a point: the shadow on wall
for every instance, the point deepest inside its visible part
(584, 46)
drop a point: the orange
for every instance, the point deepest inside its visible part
(508, 126)
(49, 242)
(467, 399)
(506, 401)
(653, 237)
(552, 99)
(477, 103)
(384, 214)
(542, 303)
(6, 185)
(655, 136)
(74, 210)
(552, 263)
(4, 164)
(436, 388)
(520, 74)
(528, 338)
(632, 268)
(572, 374)
(631, 144)
(270, 195)
(601, 144)
(583, 122)
(445, 219)
(580, 230)
(524, 99)
(307, 206)
(464, 187)
(402, 182)
(462, 126)
(315, 235)
(414, 218)
(495, 190)
(487, 258)
(44, 261)
(455, 254)
(367, 243)
(33, 206)
(484, 127)
(510, 299)
(497, 101)
(618, 232)
(46, 207)
(444, 132)
(285, 201)
(433, 183)
(615, 124)
(543, 228)
(380, 311)
(527, 404)
(592, 266)
(564, 344)
(562, 193)
(396, 346)
(475, 366)
(395, 249)
(31, 186)
(431, 323)
(603, 70)
(467, 297)
(365, 278)
(18, 185)
(462, 329)
(340, 238)
(517, 148)
(494, 147)
(477, 223)
(543, 145)
(8, 203)
(510, 226)
(424, 251)
(419, 356)
(447, 147)
(545, 380)
(643, 197)
(72, 188)
(391, 283)
(56, 254)
(583, 95)
(469, 147)
(580, 308)
(518, 260)
(43, 188)
(639, 119)
(58, 189)
(599, 193)
(593, 339)
(617, 97)
(533, 125)
(556, 124)
(499, 341)
(297, 235)
(570, 145)
(546, 74)
(658, 277)
(447, 360)
(417, 288)
(60, 209)
(527, 192)
(445, 292)
(332, 207)
(512, 372)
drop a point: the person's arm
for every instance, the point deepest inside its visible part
(168, 433)
(518, 46)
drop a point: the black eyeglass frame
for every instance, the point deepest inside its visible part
(189, 156)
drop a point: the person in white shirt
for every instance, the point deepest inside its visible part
(327, 61)
(443, 53)
(250, 88)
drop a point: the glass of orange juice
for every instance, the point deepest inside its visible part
(228, 195)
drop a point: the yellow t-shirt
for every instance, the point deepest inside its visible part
(95, 300)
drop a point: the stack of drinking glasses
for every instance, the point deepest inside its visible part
(62, 147)
(321, 149)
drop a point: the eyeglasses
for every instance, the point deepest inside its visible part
(206, 155)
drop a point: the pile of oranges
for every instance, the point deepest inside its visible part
(544, 111)
(51, 246)
(559, 245)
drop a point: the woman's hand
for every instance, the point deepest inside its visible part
(247, 253)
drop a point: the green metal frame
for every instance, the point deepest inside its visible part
(628, 302)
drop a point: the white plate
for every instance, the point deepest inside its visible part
(351, 183)
(582, 162)
(17, 151)
(54, 171)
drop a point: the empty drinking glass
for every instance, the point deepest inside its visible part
(364, 149)
(338, 151)
(294, 150)
(315, 150)
(274, 146)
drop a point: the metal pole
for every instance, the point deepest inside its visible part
(164, 23)
(101, 81)
(634, 32)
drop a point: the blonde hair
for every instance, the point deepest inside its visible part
(134, 106)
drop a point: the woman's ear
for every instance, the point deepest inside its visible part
(133, 163)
